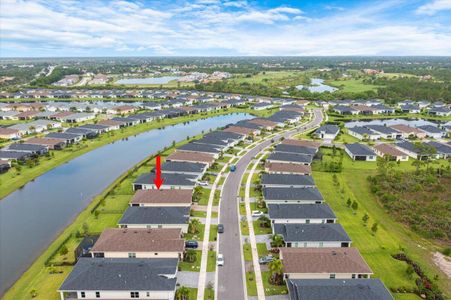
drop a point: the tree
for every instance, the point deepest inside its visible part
(349, 202)
(63, 250)
(264, 221)
(33, 293)
(193, 226)
(182, 293)
(355, 205)
(365, 219)
(190, 256)
(276, 270)
(374, 228)
(277, 241)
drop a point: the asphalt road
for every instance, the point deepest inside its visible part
(230, 276)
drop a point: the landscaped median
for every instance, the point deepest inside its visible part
(18, 177)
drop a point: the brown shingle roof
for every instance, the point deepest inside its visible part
(7, 131)
(110, 123)
(288, 168)
(191, 156)
(323, 260)
(44, 141)
(162, 196)
(304, 143)
(387, 149)
(406, 128)
(263, 122)
(140, 240)
(240, 130)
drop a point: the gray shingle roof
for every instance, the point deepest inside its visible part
(275, 193)
(360, 149)
(295, 149)
(155, 215)
(337, 289)
(26, 147)
(300, 211)
(183, 167)
(441, 148)
(328, 129)
(431, 129)
(329, 232)
(64, 136)
(290, 157)
(361, 130)
(382, 129)
(287, 179)
(121, 274)
(169, 179)
(200, 148)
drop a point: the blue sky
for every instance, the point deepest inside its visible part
(65, 28)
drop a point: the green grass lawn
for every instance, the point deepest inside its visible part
(247, 251)
(221, 180)
(192, 294)
(251, 285)
(217, 198)
(205, 195)
(213, 233)
(196, 236)
(211, 261)
(209, 294)
(261, 249)
(198, 214)
(352, 85)
(244, 228)
(194, 266)
(391, 236)
(261, 230)
(271, 289)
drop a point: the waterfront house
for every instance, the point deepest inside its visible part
(155, 217)
(323, 263)
(68, 138)
(440, 111)
(170, 181)
(189, 168)
(139, 243)
(385, 132)
(121, 278)
(326, 235)
(363, 133)
(191, 157)
(201, 148)
(409, 131)
(433, 131)
(32, 149)
(162, 197)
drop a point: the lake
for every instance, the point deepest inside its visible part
(31, 218)
(148, 80)
(317, 86)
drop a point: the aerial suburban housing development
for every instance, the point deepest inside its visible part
(225, 150)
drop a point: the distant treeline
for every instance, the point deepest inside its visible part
(57, 74)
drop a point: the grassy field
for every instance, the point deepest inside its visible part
(391, 236)
(352, 85)
(46, 280)
(17, 179)
(274, 78)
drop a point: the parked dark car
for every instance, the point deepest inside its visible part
(220, 228)
(265, 259)
(191, 244)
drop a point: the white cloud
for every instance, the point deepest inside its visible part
(210, 26)
(434, 7)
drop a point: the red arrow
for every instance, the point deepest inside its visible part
(158, 180)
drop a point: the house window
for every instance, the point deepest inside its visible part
(148, 294)
(134, 294)
(332, 276)
(82, 295)
(307, 221)
(156, 253)
(132, 255)
(97, 294)
(353, 276)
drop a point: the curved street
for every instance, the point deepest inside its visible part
(231, 283)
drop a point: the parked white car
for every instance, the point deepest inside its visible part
(203, 183)
(220, 260)
(257, 213)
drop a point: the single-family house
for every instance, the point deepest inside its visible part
(345, 110)
(324, 263)
(301, 143)
(284, 148)
(32, 149)
(155, 217)
(78, 117)
(68, 138)
(385, 132)
(139, 243)
(14, 155)
(9, 133)
(287, 180)
(443, 150)
(162, 197)
(358, 151)
(214, 150)
(328, 235)
(170, 181)
(363, 133)
(440, 111)
(433, 131)
(287, 168)
(326, 289)
(410, 109)
(413, 150)
(190, 168)
(191, 157)
(277, 195)
(283, 157)
(121, 278)
(327, 132)
(409, 131)
(301, 213)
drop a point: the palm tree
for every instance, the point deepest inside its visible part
(182, 293)
(194, 226)
(276, 270)
(190, 256)
(277, 241)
